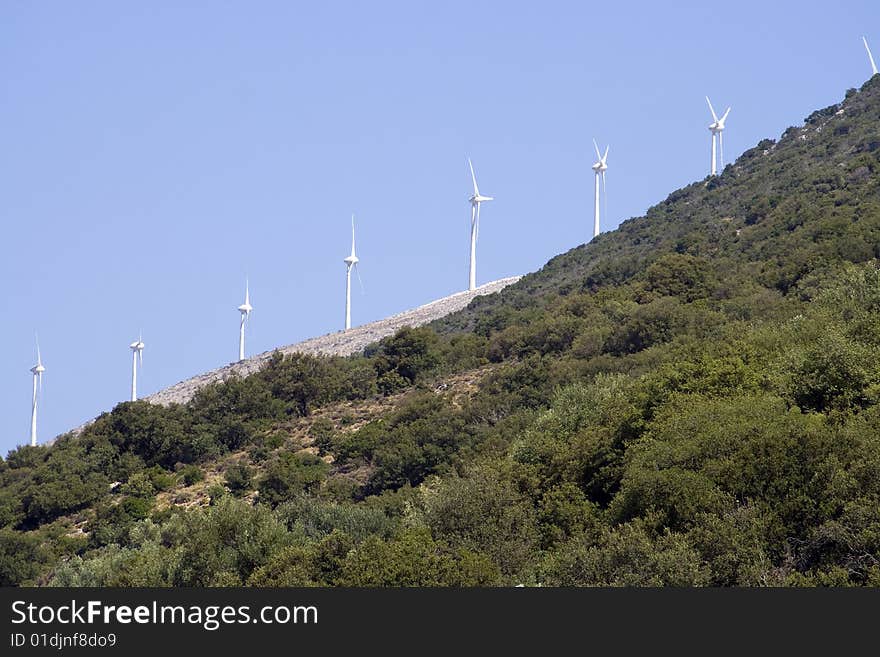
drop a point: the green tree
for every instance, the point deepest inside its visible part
(290, 475)
(483, 513)
(239, 478)
(405, 356)
(224, 544)
(21, 557)
(415, 559)
(629, 555)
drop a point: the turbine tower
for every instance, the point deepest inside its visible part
(350, 263)
(870, 57)
(37, 370)
(137, 354)
(245, 310)
(717, 129)
(475, 200)
(600, 167)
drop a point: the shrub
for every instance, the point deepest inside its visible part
(321, 433)
(409, 354)
(239, 478)
(289, 475)
(160, 478)
(191, 474)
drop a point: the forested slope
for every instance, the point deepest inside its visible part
(689, 400)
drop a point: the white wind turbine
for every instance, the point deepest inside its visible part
(717, 130)
(37, 370)
(245, 310)
(475, 200)
(137, 354)
(870, 57)
(600, 167)
(350, 263)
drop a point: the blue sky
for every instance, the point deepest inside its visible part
(154, 154)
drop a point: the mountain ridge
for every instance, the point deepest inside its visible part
(338, 343)
(588, 265)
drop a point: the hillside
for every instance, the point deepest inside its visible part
(689, 400)
(339, 343)
(763, 218)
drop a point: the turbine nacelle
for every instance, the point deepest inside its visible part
(717, 124)
(352, 259)
(38, 368)
(601, 166)
(136, 346)
(246, 307)
(476, 198)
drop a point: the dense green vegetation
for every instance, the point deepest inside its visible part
(689, 400)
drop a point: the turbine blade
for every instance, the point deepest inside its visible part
(605, 157)
(724, 117)
(596, 146)
(358, 272)
(40, 378)
(39, 359)
(721, 147)
(473, 177)
(712, 109)
(352, 235)
(870, 57)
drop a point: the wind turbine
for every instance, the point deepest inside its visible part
(137, 354)
(475, 200)
(870, 57)
(245, 310)
(37, 370)
(350, 263)
(717, 130)
(600, 167)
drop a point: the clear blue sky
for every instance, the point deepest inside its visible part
(153, 154)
